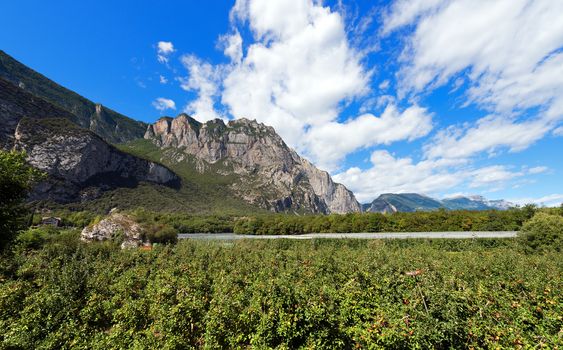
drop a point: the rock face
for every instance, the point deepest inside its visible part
(79, 163)
(269, 173)
(116, 226)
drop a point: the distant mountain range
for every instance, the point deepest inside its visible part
(410, 202)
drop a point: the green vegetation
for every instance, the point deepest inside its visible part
(201, 193)
(440, 220)
(16, 178)
(544, 232)
(264, 224)
(281, 294)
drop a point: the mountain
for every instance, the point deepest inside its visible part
(410, 202)
(98, 159)
(475, 203)
(16, 104)
(106, 123)
(79, 163)
(264, 170)
(402, 202)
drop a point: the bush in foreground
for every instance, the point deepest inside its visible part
(544, 232)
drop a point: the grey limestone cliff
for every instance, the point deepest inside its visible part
(270, 174)
(79, 163)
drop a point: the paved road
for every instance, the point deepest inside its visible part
(379, 235)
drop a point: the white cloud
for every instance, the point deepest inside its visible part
(163, 79)
(404, 12)
(297, 71)
(558, 131)
(399, 175)
(164, 50)
(163, 104)
(389, 174)
(538, 170)
(332, 141)
(492, 175)
(296, 74)
(232, 45)
(509, 51)
(205, 80)
(551, 200)
(487, 134)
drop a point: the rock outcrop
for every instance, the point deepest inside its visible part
(270, 174)
(79, 163)
(116, 227)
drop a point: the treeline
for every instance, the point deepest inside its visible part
(269, 224)
(441, 220)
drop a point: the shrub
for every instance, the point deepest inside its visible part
(32, 238)
(162, 234)
(543, 232)
(16, 179)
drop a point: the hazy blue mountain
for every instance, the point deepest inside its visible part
(402, 202)
(475, 203)
(410, 202)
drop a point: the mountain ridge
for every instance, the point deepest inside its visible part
(410, 202)
(259, 157)
(108, 124)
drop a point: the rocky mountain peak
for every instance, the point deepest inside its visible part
(260, 157)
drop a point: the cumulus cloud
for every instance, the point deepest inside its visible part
(332, 141)
(204, 79)
(487, 134)
(510, 51)
(232, 46)
(296, 73)
(162, 104)
(538, 170)
(298, 69)
(389, 174)
(491, 175)
(162, 79)
(164, 49)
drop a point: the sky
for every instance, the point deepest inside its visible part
(439, 97)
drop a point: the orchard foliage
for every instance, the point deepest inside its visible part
(322, 294)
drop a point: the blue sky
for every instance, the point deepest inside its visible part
(441, 97)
